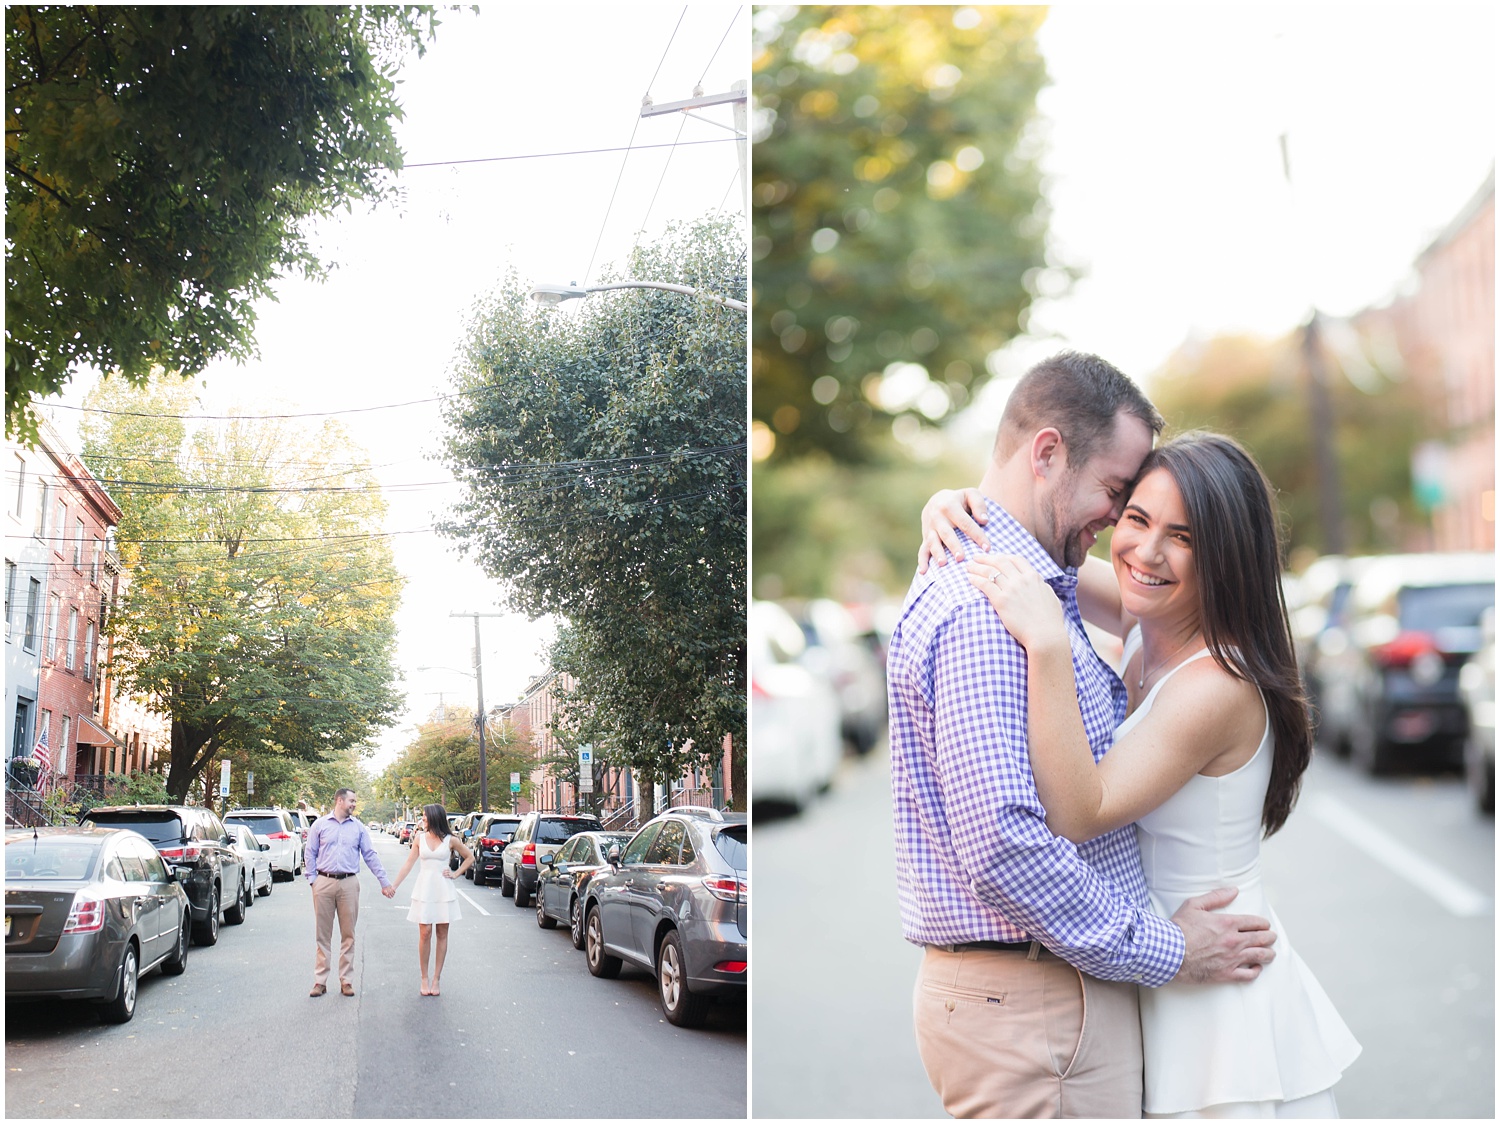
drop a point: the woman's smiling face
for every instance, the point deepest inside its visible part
(1152, 551)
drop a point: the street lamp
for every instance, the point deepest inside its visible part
(552, 294)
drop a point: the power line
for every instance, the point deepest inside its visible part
(732, 20)
(574, 152)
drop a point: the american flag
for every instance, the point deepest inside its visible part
(43, 754)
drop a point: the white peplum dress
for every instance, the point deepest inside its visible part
(433, 897)
(1270, 1048)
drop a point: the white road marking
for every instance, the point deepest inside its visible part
(471, 901)
(1456, 897)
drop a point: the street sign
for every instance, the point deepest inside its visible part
(585, 755)
(515, 782)
(224, 778)
(249, 784)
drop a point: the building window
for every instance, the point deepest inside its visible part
(10, 595)
(40, 530)
(20, 484)
(72, 649)
(54, 609)
(78, 545)
(64, 746)
(60, 528)
(88, 651)
(33, 614)
(98, 553)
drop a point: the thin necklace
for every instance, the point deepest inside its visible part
(1146, 672)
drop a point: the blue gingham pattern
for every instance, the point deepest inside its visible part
(974, 858)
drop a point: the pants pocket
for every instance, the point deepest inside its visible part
(1065, 1017)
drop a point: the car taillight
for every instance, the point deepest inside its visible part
(731, 966)
(86, 916)
(528, 855)
(727, 889)
(491, 843)
(757, 691)
(279, 835)
(1406, 647)
(189, 854)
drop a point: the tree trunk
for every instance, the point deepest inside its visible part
(739, 780)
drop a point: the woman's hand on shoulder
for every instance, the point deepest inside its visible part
(949, 509)
(1028, 606)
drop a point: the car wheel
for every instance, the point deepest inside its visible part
(601, 964)
(575, 923)
(542, 920)
(121, 1009)
(235, 914)
(521, 896)
(265, 891)
(206, 932)
(507, 887)
(477, 874)
(680, 1005)
(176, 964)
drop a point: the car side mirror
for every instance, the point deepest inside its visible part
(547, 860)
(613, 855)
(171, 872)
(265, 846)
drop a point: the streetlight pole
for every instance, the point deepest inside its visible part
(484, 783)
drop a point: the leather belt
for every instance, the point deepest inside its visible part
(333, 874)
(989, 946)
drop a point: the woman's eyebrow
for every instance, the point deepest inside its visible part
(1147, 515)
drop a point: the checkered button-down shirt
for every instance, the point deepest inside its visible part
(974, 858)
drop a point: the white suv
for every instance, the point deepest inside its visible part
(276, 827)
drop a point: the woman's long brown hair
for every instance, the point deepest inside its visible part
(1237, 552)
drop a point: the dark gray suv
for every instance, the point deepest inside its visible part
(675, 904)
(194, 843)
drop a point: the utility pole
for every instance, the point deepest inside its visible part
(735, 97)
(484, 785)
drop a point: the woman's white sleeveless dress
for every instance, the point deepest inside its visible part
(1273, 1047)
(433, 897)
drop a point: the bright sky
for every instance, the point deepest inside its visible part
(1167, 182)
(509, 81)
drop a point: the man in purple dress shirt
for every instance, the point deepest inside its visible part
(335, 844)
(1022, 931)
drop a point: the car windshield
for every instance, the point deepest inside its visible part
(159, 828)
(261, 825)
(734, 844)
(1445, 606)
(499, 829)
(560, 831)
(62, 859)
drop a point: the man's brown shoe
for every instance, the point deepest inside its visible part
(318, 989)
(347, 988)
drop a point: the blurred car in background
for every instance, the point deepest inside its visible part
(848, 654)
(1318, 610)
(275, 827)
(538, 834)
(88, 912)
(257, 859)
(1388, 667)
(1476, 686)
(795, 742)
(491, 834)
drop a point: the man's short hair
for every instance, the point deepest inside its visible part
(1078, 395)
(343, 792)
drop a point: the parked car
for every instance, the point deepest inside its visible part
(276, 827)
(718, 815)
(1389, 670)
(407, 829)
(848, 655)
(795, 741)
(193, 841)
(675, 904)
(303, 819)
(257, 859)
(1476, 686)
(564, 877)
(538, 834)
(491, 834)
(88, 912)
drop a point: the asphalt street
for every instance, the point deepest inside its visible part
(1385, 886)
(521, 1030)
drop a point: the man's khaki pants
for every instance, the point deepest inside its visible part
(1006, 1036)
(340, 896)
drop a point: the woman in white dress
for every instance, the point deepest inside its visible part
(434, 901)
(1207, 763)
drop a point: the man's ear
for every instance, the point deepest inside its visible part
(1047, 452)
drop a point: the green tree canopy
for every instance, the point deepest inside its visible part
(160, 166)
(441, 764)
(259, 614)
(898, 217)
(601, 451)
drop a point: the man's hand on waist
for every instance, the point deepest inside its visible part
(1222, 947)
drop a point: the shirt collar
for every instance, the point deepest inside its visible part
(1009, 537)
